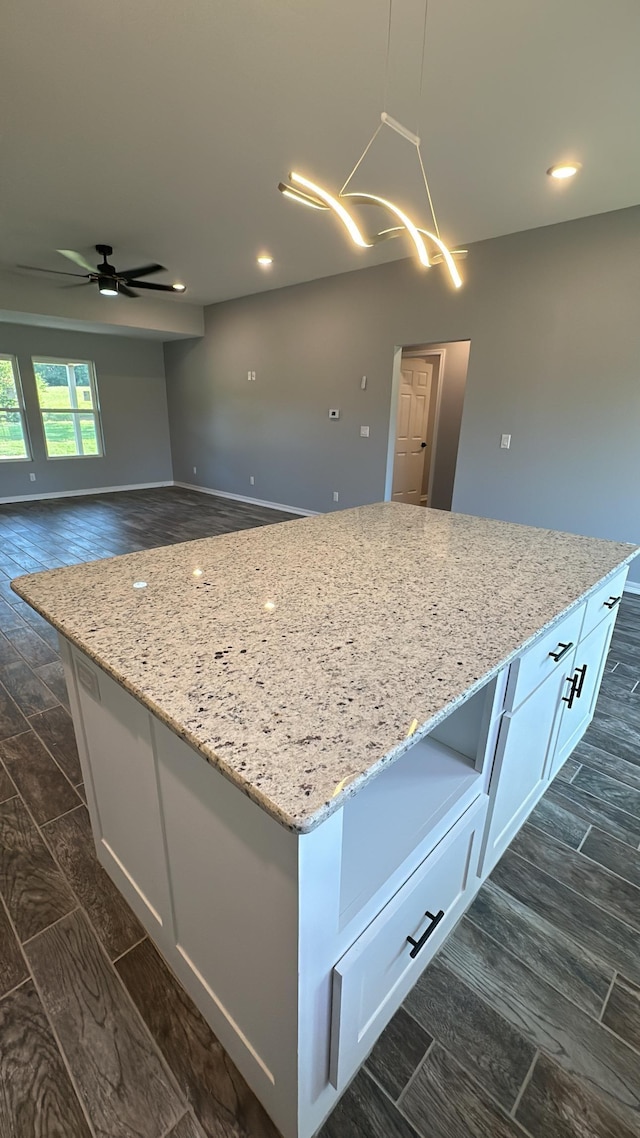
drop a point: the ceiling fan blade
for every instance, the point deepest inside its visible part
(143, 271)
(80, 284)
(123, 288)
(150, 284)
(58, 272)
(77, 259)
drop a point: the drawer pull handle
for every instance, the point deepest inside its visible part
(612, 602)
(564, 648)
(583, 672)
(418, 944)
(568, 699)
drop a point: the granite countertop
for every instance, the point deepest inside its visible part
(295, 657)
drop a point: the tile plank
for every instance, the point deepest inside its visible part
(13, 969)
(398, 1052)
(616, 856)
(122, 1082)
(218, 1095)
(33, 889)
(599, 934)
(26, 688)
(579, 1044)
(549, 952)
(186, 1128)
(472, 1030)
(39, 779)
(7, 789)
(595, 812)
(12, 721)
(55, 728)
(53, 676)
(31, 646)
(621, 769)
(37, 1099)
(366, 1112)
(622, 1013)
(553, 818)
(443, 1101)
(8, 654)
(568, 770)
(71, 841)
(557, 1105)
(618, 897)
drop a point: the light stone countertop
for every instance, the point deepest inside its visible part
(296, 656)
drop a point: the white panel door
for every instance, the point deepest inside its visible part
(416, 378)
(521, 766)
(582, 693)
(122, 771)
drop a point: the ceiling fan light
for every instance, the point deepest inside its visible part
(178, 286)
(107, 286)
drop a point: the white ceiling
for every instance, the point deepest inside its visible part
(163, 126)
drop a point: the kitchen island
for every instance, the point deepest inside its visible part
(305, 746)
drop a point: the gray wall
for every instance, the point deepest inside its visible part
(131, 386)
(553, 319)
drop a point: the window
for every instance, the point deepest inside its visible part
(68, 399)
(14, 443)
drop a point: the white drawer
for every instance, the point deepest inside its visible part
(551, 651)
(372, 978)
(604, 601)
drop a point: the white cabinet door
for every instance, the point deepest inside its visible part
(580, 698)
(521, 765)
(128, 829)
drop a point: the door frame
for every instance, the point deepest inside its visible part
(411, 351)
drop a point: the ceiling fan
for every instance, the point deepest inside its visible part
(110, 282)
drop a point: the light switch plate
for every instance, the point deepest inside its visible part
(334, 413)
(505, 442)
(364, 432)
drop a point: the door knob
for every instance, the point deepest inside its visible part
(423, 445)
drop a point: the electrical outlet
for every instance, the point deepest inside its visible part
(32, 477)
(195, 471)
(364, 432)
(505, 442)
(363, 383)
(336, 496)
(252, 480)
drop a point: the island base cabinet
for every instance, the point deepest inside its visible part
(520, 768)
(374, 975)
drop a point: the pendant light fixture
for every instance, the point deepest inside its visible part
(428, 245)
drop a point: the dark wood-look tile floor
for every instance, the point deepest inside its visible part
(527, 1024)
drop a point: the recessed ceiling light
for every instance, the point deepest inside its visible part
(264, 259)
(178, 286)
(563, 170)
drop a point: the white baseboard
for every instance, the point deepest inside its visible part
(249, 501)
(84, 493)
(633, 587)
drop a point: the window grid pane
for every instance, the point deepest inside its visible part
(68, 404)
(13, 435)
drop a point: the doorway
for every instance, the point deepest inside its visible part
(426, 412)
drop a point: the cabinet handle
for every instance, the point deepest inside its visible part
(418, 944)
(564, 648)
(568, 699)
(612, 602)
(583, 672)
